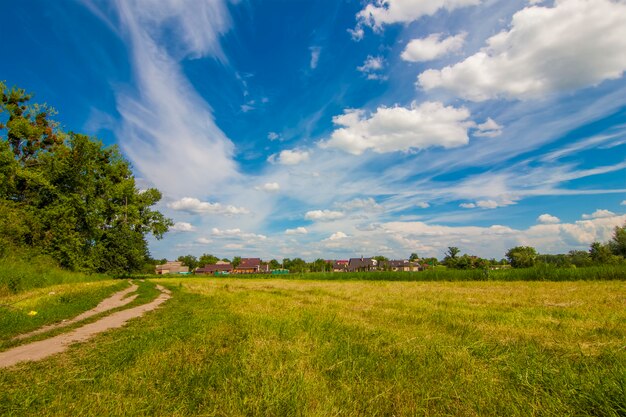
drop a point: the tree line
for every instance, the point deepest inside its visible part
(69, 196)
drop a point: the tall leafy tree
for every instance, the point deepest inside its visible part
(77, 199)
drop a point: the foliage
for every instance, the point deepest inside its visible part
(68, 195)
(522, 256)
(618, 242)
(414, 257)
(236, 261)
(189, 260)
(207, 259)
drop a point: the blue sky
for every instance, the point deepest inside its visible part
(342, 128)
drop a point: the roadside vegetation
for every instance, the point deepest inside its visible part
(285, 347)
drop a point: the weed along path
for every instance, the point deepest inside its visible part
(119, 299)
(42, 349)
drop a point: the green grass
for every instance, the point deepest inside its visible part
(232, 347)
(53, 304)
(23, 270)
(539, 273)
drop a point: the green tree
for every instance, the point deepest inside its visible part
(580, 258)
(522, 256)
(451, 259)
(189, 260)
(414, 257)
(601, 254)
(274, 264)
(207, 259)
(618, 241)
(75, 199)
(236, 261)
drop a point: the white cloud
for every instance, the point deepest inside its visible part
(273, 136)
(366, 204)
(195, 206)
(247, 107)
(422, 204)
(270, 187)
(315, 56)
(372, 67)
(337, 236)
(575, 44)
(289, 157)
(182, 227)
(548, 219)
(599, 214)
(297, 231)
(391, 129)
(487, 204)
(168, 129)
(203, 241)
(489, 129)
(432, 47)
(384, 12)
(236, 233)
(623, 203)
(323, 215)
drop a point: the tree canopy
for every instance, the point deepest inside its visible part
(69, 195)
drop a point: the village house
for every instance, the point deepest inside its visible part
(171, 267)
(251, 266)
(220, 267)
(402, 265)
(362, 264)
(340, 266)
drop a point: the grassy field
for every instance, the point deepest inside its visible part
(23, 270)
(287, 347)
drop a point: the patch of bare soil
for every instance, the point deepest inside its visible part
(42, 349)
(119, 299)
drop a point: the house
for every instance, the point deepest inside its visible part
(362, 264)
(219, 268)
(403, 265)
(251, 266)
(340, 266)
(171, 267)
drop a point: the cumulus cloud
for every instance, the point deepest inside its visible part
(391, 129)
(194, 206)
(432, 47)
(270, 187)
(599, 214)
(337, 236)
(182, 227)
(289, 157)
(467, 205)
(297, 231)
(203, 241)
(383, 12)
(548, 219)
(575, 44)
(623, 203)
(323, 215)
(422, 204)
(372, 67)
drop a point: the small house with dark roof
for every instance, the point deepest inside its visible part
(340, 266)
(251, 266)
(362, 264)
(220, 267)
(403, 265)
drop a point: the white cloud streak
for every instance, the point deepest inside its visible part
(194, 206)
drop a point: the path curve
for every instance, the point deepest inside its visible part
(42, 349)
(117, 300)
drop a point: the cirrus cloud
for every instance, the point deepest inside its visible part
(194, 206)
(323, 215)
